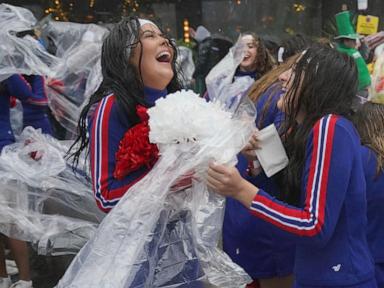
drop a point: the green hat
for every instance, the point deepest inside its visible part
(344, 26)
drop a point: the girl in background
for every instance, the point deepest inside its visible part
(369, 120)
(266, 255)
(325, 176)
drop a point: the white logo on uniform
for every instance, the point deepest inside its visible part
(336, 268)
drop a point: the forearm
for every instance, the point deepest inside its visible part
(247, 193)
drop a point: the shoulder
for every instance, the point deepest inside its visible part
(104, 110)
(105, 106)
(331, 127)
(336, 121)
(107, 113)
(369, 156)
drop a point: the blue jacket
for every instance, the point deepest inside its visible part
(375, 204)
(329, 227)
(106, 129)
(36, 115)
(260, 248)
(18, 87)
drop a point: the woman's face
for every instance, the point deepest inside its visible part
(157, 56)
(249, 61)
(288, 78)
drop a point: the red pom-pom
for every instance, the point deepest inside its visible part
(142, 113)
(135, 151)
(12, 102)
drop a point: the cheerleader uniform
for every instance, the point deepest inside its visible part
(107, 127)
(14, 86)
(260, 248)
(329, 227)
(375, 208)
(34, 113)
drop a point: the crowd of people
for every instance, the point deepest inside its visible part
(312, 221)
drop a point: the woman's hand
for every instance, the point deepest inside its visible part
(249, 149)
(227, 182)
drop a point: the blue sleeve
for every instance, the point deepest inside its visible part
(105, 135)
(20, 88)
(326, 176)
(270, 114)
(38, 89)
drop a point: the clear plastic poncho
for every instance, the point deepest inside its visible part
(78, 73)
(185, 62)
(155, 237)
(21, 55)
(161, 238)
(222, 86)
(42, 201)
(73, 73)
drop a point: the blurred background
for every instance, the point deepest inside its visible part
(229, 17)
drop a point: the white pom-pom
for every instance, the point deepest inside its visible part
(184, 117)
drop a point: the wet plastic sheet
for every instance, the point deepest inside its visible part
(41, 199)
(21, 55)
(222, 86)
(160, 238)
(78, 73)
(74, 71)
(185, 62)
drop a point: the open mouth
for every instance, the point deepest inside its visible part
(164, 57)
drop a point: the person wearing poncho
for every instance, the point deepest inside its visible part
(369, 121)
(138, 66)
(324, 207)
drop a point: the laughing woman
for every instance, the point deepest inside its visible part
(325, 176)
(138, 67)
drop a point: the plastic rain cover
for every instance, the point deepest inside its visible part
(21, 55)
(222, 86)
(78, 73)
(41, 199)
(185, 62)
(156, 237)
(74, 72)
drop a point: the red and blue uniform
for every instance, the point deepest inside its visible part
(260, 248)
(375, 208)
(329, 226)
(107, 127)
(15, 86)
(35, 111)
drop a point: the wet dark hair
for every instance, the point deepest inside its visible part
(264, 59)
(121, 78)
(295, 44)
(325, 82)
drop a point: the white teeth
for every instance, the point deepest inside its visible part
(164, 53)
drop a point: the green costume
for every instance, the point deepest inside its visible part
(345, 30)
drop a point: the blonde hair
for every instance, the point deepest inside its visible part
(270, 79)
(369, 121)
